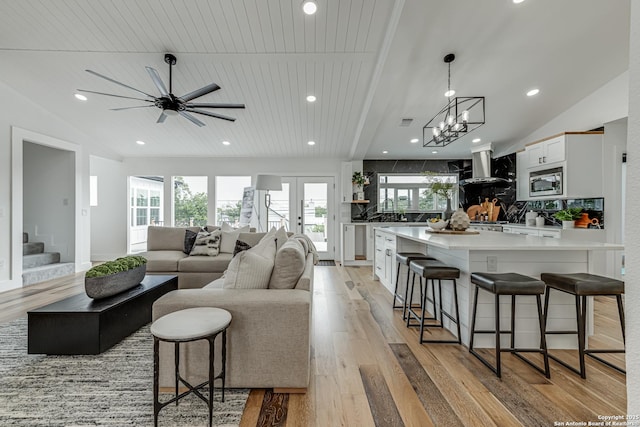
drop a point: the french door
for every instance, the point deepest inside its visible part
(306, 205)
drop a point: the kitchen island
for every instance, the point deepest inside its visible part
(490, 251)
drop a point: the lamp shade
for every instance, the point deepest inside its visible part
(269, 182)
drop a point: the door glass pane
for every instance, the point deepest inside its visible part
(190, 201)
(315, 214)
(279, 215)
(146, 209)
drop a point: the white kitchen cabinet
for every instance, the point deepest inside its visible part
(348, 243)
(384, 260)
(532, 231)
(548, 151)
(579, 156)
(357, 246)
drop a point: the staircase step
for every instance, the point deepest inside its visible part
(43, 273)
(25, 237)
(32, 248)
(37, 260)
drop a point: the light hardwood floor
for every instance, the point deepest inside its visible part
(369, 370)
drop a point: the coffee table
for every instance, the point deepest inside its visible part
(82, 325)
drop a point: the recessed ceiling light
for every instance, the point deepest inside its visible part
(309, 7)
(518, 1)
(226, 143)
(450, 93)
(80, 97)
(533, 92)
(414, 140)
(311, 143)
(311, 98)
(476, 140)
(140, 142)
(385, 152)
(434, 152)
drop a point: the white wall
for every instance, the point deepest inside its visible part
(27, 115)
(609, 103)
(632, 227)
(109, 219)
(49, 198)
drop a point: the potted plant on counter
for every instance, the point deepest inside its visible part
(359, 181)
(568, 216)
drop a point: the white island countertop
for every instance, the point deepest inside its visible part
(494, 240)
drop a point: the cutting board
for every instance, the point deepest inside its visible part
(473, 210)
(452, 231)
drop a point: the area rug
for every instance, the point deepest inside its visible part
(114, 388)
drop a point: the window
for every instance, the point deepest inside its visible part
(145, 208)
(416, 192)
(190, 201)
(229, 191)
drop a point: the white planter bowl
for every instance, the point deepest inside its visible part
(440, 225)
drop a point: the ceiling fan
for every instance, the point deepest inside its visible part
(170, 104)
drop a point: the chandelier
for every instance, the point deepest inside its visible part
(460, 116)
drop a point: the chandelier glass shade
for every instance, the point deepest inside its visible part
(458, 117)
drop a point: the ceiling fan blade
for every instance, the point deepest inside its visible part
(214, 105)
(207, 113)
(191, 118)
(200, 92)
(118, 83)
(129, 108)
(157, 81)
(162, 118)
(117, 96)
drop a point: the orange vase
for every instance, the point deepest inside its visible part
(583, 221)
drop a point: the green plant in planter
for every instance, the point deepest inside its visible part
(358, 179)
(116, 266)
(570, 214)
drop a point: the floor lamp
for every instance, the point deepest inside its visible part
(266, 183)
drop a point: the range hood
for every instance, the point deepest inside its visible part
(481, 166)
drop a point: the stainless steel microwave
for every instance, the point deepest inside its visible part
(546, 182)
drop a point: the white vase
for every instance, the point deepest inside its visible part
(459, 220)
(568, 224)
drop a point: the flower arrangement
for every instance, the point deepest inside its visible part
(438, 187)
(120, 264)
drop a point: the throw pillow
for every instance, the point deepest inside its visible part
(289, 265)
(229, 237)
(248, 270)
(189, 240)
(240, 246)
(207, 244)
(251, 269)
(281, 237)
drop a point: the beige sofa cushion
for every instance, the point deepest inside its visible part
(288, 266)
(164, 261)
(167, 238)
(205, 264)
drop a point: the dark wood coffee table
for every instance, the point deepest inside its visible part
(82, 325)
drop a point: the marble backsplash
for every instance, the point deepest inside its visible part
(546, 208)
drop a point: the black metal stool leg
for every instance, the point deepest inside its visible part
(543, 339)
(473, 318)
(455, 296)
(211, 377)
(498, 358)
(177, 367)
(513, 321)
(621, 315)
(582, 321)
(395, 291)
(156, 381)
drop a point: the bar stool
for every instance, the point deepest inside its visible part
(404, 258)
(431, 269)
(582, 285)
(515, 285)
(192, 324)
